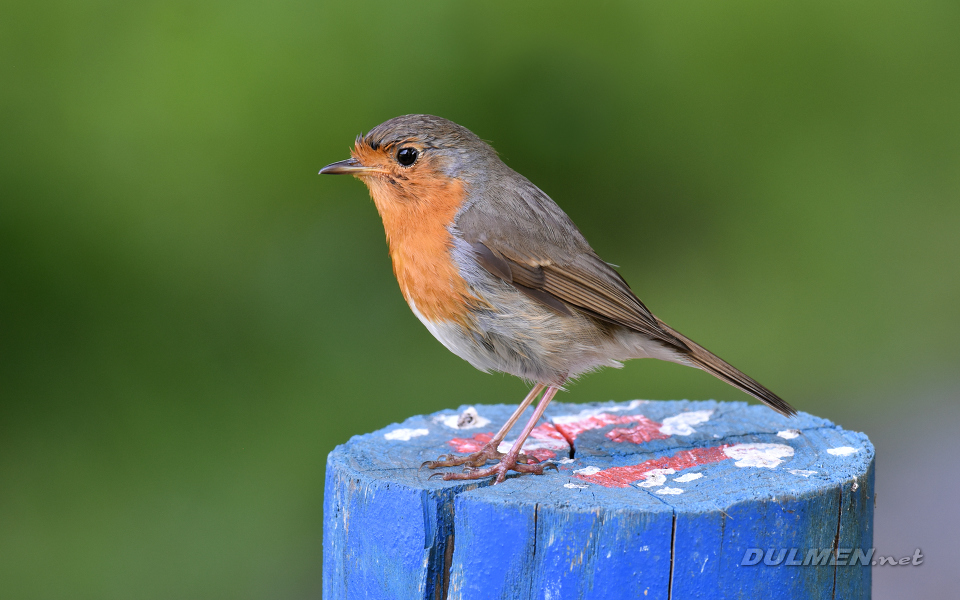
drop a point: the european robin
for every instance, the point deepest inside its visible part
(503, 278)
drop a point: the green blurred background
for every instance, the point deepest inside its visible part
(192, 318)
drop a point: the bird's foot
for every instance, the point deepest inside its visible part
(477, 459)
(509, 462)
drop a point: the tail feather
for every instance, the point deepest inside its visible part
(716, 366)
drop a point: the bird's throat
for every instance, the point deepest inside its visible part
(417, 228)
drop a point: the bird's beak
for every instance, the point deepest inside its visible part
(351, 166)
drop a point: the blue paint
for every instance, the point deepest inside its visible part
(389, 531)
(541, 540)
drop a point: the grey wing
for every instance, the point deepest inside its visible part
(520, 235)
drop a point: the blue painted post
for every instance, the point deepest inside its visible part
(651, 500)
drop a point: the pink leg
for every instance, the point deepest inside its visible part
(509, 461)
(516, 414)
(489, 450)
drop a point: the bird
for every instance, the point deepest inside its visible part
(504, 279)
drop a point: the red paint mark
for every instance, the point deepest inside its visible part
(473, 444)
(541, 454)
(559, 435)
(573, 428)
(541, 444)
(547, 431)
(644, 431)
(621, 477)
(543, 440)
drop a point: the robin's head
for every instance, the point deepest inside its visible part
(412, 158)
(419, 169)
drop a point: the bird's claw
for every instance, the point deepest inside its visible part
(474, 465)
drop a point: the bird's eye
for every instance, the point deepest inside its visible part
(407, 156)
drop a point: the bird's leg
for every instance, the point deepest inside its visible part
(509, 462)
(489, 450)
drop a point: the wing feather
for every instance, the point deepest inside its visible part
(534, 246)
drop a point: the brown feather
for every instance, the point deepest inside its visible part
(526, 280)
(608, 299)
(719, 368)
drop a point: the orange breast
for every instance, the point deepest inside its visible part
(415, 218)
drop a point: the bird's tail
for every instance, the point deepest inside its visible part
(719, 368)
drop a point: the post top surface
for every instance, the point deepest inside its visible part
(687, 456)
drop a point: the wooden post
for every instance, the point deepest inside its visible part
(651, 500)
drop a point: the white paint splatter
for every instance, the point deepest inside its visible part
(403, 434)
(551, 591)
(655, 477)
(533, 444)
(566, 461)
(468, 419)
(688, 477)
(788, 434)
(842, 451)
(758, 455)
(593, 412)
(801, 472)
(587, 471)
(681, 424)
(855, 486)
(670, 490)
(574, 486)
